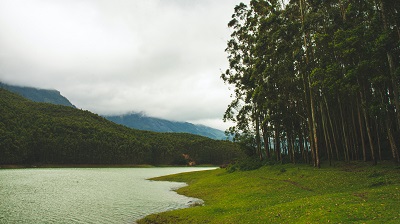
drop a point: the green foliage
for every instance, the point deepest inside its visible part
(245, 165)
(252, 163)
(319, 79)
(41, 133)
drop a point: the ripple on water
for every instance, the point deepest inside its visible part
(79, 195)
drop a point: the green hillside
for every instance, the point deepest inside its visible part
(42, 133)
(132, 120)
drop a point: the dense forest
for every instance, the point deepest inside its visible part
(42, 133)
(316, 80)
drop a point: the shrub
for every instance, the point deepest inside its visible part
(245, 165)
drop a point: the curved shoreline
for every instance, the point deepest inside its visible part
(127, 190)
(240, 197)
(25, 166)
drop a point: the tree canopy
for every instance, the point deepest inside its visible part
(316, 79)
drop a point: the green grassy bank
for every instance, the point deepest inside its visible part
(349, 193)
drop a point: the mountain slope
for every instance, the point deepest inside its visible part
(134, 120)
(39, 95)
(41, 133)
(142, 122)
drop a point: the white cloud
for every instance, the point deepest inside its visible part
(161, 57)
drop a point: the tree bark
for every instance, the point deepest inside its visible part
(278, 145)
(364, 152)
(367, 125)
(266, 141)
(346, 143)
(333, 129)
(395, 152)
(258, 138)
(326, 136)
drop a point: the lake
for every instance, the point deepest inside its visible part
(87, 195)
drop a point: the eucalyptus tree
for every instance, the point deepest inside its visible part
(242, 109)
(389, 12)
(317, 74)
(266, 72)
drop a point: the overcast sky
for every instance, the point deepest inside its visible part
(160, 57)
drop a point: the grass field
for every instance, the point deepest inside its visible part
(346, 193)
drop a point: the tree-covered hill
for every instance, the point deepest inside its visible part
(131, 120)
(38, 95)
(42, 133)
(143, 122)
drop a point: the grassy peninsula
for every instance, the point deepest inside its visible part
(346, 193)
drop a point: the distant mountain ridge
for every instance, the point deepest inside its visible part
(39, 95)
(143, 122)
(132, 120)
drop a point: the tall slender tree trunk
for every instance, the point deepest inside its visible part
(290, 146)
(354, 134)
(312, 116)
(392, 67)
(306, 92)
(393, 147)
(332, 129)
(302, 143)
(392, 142)
(309, 121)
(367, 126)
(346, 143)
(314, 127)
(364, 152)
(378, 139)
(258, 138)
(266, 141)
(326, 136)
(366, 120)
(278, 145)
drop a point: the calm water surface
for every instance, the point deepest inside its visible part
(87, 195)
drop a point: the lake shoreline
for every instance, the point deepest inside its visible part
(94, 195)
(25, 166)
(295, 193)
